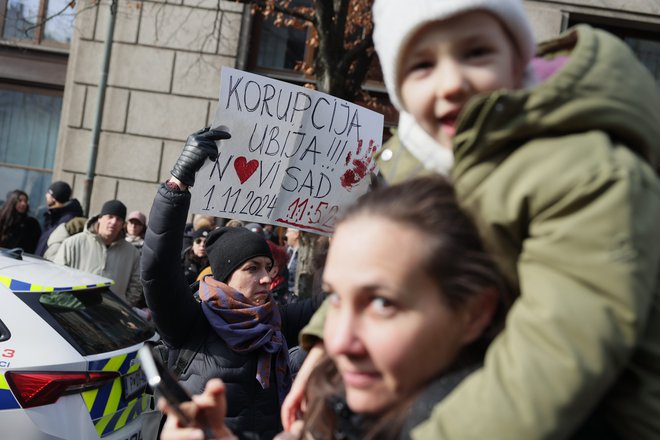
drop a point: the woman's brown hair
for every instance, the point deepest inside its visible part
(454, 256)
(8, 214)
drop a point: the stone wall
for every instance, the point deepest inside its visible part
(550, 18)
(163, 84)
(164, 80)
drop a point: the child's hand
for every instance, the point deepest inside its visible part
(207, 410)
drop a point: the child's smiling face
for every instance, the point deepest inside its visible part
(448, 62)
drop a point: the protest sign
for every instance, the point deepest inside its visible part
(296, 157)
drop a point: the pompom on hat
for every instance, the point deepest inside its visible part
(397, 21)
(228, 248)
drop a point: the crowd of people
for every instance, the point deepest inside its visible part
(509, 290)
(110, 243)
(532, 309)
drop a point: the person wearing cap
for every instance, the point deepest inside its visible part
(61, 209)
(135, 228)
(199, 221)
(194, 258)
(555, 156)
(236, 329)
(101, 249)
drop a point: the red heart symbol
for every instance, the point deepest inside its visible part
(245, 169)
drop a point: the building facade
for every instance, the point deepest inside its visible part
(163, 83)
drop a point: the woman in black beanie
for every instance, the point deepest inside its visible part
(237, 331)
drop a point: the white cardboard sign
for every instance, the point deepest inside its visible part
(296, 158)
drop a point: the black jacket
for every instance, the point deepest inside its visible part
(55, 217)
(24, 234)
(174, 310)
(192, 265)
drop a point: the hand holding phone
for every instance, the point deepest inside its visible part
(162, 380)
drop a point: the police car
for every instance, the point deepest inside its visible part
(68, 346)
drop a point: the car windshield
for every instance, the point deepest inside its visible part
(95, 321)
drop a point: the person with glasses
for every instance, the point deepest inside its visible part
(194, 258)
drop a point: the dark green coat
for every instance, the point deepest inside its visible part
(562, 183)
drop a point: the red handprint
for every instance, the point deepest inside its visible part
(360, 166)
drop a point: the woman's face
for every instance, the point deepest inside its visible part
(22, 204)
(134, 228)
(198, 247)
(387, 329)
(252, 279)
(446, 64)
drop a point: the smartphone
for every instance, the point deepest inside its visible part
(161, 379)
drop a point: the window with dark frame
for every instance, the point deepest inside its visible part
(276, 51)
(40, 22)
(29, 126)
(34, 39)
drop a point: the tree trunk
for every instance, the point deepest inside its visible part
(305, 270)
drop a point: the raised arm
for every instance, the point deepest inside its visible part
(168, 295)
(166, 291)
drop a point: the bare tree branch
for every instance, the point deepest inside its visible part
(38, 24)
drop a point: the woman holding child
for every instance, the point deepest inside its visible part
(556, 160)
(389, 302)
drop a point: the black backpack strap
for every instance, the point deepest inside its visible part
(192, 346)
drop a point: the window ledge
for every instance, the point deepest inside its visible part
(18, 44)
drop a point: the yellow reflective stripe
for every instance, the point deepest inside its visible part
(110, 283)
(38, 288)
(133, 368)
(4, 280)
(124, 415)
(3, 383)
(115, 362)
(89, 397)
(113, 400)
(115, 394)
(101, 424)
(110, 410)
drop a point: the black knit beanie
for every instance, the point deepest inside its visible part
(114, 207)
(61, 191)
(228, 248)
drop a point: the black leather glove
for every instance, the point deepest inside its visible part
(199, 146)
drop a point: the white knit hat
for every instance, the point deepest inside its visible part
(396, 21)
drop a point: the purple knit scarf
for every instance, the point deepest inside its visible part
(247, 327)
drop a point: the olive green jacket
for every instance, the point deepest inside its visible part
(562, 183)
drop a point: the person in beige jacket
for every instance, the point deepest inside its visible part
(101, 249)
